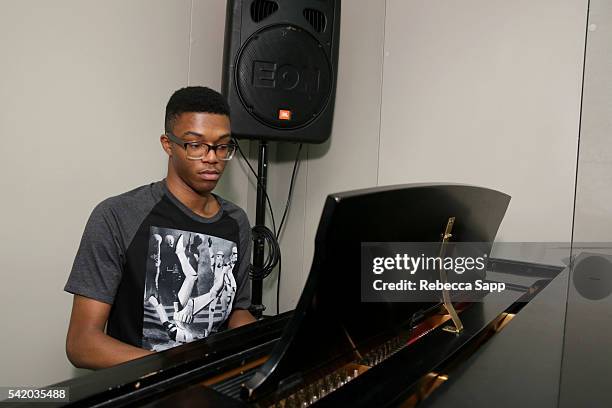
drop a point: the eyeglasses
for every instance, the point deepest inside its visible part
(197, 150)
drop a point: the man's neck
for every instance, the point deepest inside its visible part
(203, 205)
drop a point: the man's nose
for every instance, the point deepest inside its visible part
(210, 157)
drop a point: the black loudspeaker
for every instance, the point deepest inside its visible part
(280, 68)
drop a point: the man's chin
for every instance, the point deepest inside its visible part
(203, 187)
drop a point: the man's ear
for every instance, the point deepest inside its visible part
(163, 139)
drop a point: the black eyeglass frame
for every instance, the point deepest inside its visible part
(175, 139)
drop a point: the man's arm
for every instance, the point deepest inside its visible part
(240, 317)
(87, 346)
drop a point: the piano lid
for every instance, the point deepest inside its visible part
(330, 320)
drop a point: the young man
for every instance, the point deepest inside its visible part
(143, 262)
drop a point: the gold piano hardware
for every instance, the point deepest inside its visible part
(446, 236)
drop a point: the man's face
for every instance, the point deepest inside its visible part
(203, 174)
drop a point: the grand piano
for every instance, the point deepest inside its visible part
(335, 350)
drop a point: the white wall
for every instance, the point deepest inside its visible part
(84, 86)
(487, 93)
(593, 193)
(483, 92)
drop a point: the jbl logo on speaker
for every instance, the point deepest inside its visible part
(284, 114)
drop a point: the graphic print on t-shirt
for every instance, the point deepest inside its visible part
(189, 286)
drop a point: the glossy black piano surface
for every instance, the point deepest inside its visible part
(334, 350)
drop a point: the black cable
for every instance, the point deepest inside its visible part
(271, 260)
(271, 237)
(280, 227)
(264, 233)
(259, 183)
(291, 184)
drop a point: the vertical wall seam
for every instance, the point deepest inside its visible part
(382, 82)
(190, 43)
(571, 261)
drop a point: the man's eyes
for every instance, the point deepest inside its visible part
(198, 145)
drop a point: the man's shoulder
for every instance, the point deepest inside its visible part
(233, 210)
(139, 199)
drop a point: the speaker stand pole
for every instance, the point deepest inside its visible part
(257, 307)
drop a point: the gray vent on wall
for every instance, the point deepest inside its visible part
(316, 19)
(261, 9)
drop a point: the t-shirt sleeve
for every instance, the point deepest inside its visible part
(243, 281)
(98, 264)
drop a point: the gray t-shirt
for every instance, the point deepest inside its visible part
(170, 275)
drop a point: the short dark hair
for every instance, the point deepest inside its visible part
(194, 99)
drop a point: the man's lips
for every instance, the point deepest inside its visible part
(209, 175)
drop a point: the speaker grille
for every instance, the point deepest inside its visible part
(261, 9)
(316, 19)
(283, 77)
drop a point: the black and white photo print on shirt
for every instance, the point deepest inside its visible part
(189, 286)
